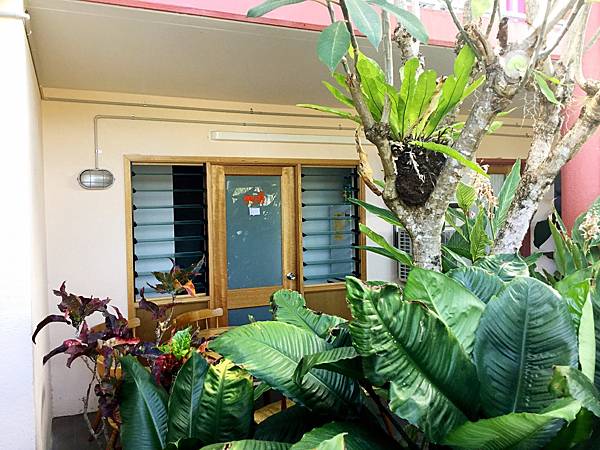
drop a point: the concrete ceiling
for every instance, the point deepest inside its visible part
(80, 45)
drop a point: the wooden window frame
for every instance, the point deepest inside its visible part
(209, 299)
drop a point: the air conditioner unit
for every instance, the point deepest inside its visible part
(403, 242)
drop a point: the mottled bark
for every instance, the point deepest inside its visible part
(535, 184)
(548, 151)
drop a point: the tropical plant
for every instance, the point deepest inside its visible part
(466, 358)
(102, 347)
(420, 126)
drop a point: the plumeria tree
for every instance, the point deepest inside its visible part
(423, 150)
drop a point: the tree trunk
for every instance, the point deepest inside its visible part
(427, 243)
(533, 186)
(527, 199)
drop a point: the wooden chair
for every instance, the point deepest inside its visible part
(200, 318)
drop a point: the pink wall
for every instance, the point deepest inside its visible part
(306, 15)
(580, 180)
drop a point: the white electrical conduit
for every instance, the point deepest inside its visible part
(14, 15)
(282, 138)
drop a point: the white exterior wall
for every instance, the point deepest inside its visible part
(86, 230)
(24, 382)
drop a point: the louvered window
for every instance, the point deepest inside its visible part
(169, 221)
(329, 224)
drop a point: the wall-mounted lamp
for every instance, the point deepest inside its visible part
(96, 178)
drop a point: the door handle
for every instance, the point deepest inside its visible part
(291, 276)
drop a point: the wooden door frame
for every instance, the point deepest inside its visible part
(252, 297)
(214, 177)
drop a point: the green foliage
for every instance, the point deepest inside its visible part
(248, 444)
(357, 437)
(290, 307)
(524, 332)
(225, 409)
(179, 345)
(483, 284)
(384, 248)
(289, 425)
(333, 45)
(506, 196)
(449, 151)
(366, 19)
(184, 402)
(570, 382)
(461, 315)
(262, 346)
(544, 88)
(269, 6)
(143, 408)
(423, 102)
(207, 404)
(506, 267)
(413, 355)
(410, 22)
(516, 430)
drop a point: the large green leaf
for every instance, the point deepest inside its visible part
(506, 266)
(562, 256)
(335, 443)
(225, 410)
(366, 20)
(456, 306)
(248, 444)
(411, 22)
(480, 282)
(344, 360)
(478, 238)
(143, 407)
(333, 44)
(575, 289)
(289, 425)
(433, 383)
(396, 254)
(568, 381)
(339, 95)
(465, 196)
(453, 89)
(373, 85)
(524, 431)
(269, 6)
(382, 213)
(271, 351)
(358, 436)
(185, 398)
(420, 100)
(407, 94)
(290, 307)
(506, 196)
(587, 339)
(595, 296)
(523, 333)
(449, 151)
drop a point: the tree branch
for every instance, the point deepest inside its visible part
(388, 63)
(533, 186)
(492, 18)
(563, 32)
(461, 30)
(555, 15)
(354, 77)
